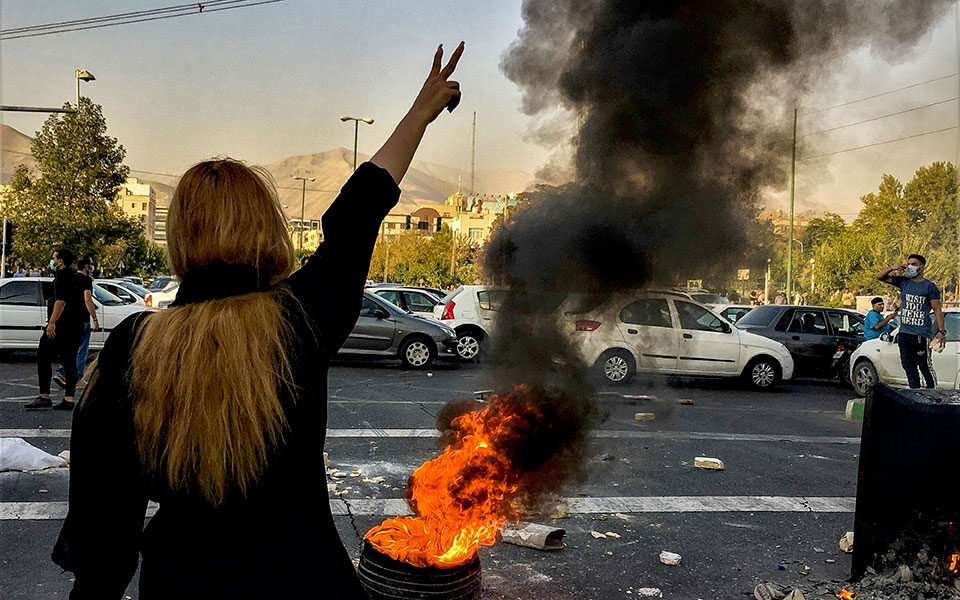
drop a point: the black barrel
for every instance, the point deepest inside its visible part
(386, 578)
(908, 492)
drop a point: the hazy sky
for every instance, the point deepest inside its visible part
(270, 81)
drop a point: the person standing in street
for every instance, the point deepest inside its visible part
(918, 296)
(875, 324)
(61, 338)
(848, 298)
(85, 281)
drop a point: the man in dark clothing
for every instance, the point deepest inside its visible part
(61, 340)
(85, 281)
(917, 297)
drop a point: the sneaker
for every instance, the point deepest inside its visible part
(64, 405)
(59, 380)
(39, 404)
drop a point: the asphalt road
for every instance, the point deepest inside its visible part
(781, 504)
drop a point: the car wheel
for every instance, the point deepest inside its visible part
(864, 376)
(616, 367)
(468, 345)
(763, 373)
(417, 353)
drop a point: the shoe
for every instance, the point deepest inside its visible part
(64, 405)
(59, 380)
(39, 404)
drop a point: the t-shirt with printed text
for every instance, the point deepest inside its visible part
(915, 297)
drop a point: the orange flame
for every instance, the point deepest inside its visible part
(954, 563)
(461, 498)
(845, 594)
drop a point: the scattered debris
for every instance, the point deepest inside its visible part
(598, 535)
(606, 456)
(905, 574)
(795, 595)
(669, 558)
(65, 455)
(829, 561)
(429, 374)
(338, 474)
(639, 397)
(16, 454)
(356, 473)
(818, 550)
(612, 534)
(326, 460)
(609, 553)
(560, 512)
(644, 416)
(532, 535)
(331, 487)
(767, 591)
(846, 542)
(704, 462)
(686, 401)
(649, 593)
(378, 479)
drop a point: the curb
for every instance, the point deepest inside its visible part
(854, 410)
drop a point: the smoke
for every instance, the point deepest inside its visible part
(678, 112)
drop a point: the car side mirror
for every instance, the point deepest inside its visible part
(381, 314)
(727, 328)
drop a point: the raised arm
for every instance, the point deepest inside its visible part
(886, 275)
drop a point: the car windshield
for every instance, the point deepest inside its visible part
(709, 299)
(158, 284)
(106, 298)
(136, 289)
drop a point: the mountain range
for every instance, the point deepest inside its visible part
(425, 184)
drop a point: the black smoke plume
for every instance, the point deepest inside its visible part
(671, 104)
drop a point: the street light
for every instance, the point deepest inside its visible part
(303, 196)
(82, 75)
(356, 133)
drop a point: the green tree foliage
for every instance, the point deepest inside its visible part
(71, 201)
(410, 257)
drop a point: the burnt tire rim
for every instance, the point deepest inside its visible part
(468, 346)
(417, 354)
(763, 374)
(863, 378)
(615, 368)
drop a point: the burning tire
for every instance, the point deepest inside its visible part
(417, 353)
(469, 344)
(616, 367)
(762, 373)
(864, 376)
(385, 578)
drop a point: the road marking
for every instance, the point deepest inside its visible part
(601, 433)
(18, 398)
(40, 511)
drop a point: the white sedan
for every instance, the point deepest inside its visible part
(878, 360)
(667, 332)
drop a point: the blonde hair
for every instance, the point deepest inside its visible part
(206, 376)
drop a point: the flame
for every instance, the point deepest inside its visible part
(461, 498)
(954, 566)
(845, 594)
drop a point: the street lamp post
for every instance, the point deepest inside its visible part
(82, 75)
(303, 197)
(356, 133)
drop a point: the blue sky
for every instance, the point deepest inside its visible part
(270, 81)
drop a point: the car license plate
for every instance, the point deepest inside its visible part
(838, 354)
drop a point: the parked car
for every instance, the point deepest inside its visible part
(470, 310)
(383, 329)
(666, 332)
(162, 283)
(118, 289)
(162, 298)
(23, 312)
(730, 312)
(704, 297)
(136, 280)
(816, 336)
(137, 289)
(409, 299)
(879, 359)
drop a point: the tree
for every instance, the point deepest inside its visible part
(71, 201)
(410, 256)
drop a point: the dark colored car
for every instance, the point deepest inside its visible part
(816, 336)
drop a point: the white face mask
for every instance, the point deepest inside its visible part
(912, 271)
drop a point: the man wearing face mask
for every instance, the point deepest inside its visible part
(917, 297)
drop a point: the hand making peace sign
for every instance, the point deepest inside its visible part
(438, 91)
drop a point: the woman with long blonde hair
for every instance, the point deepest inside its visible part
(216, 407)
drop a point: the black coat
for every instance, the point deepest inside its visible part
(278, 541)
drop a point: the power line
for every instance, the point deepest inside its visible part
(908, 137)
(134, 20)
(887, 93)
(900, 112)
(140, 13)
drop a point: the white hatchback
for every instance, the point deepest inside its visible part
(665, 332)
(878, 360)
(471, 311)
(23, 312)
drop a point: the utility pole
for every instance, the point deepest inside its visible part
(303, 197)
(453, 252)
(3, 259)
(956, 166)
(473, 155)
(793, 177)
